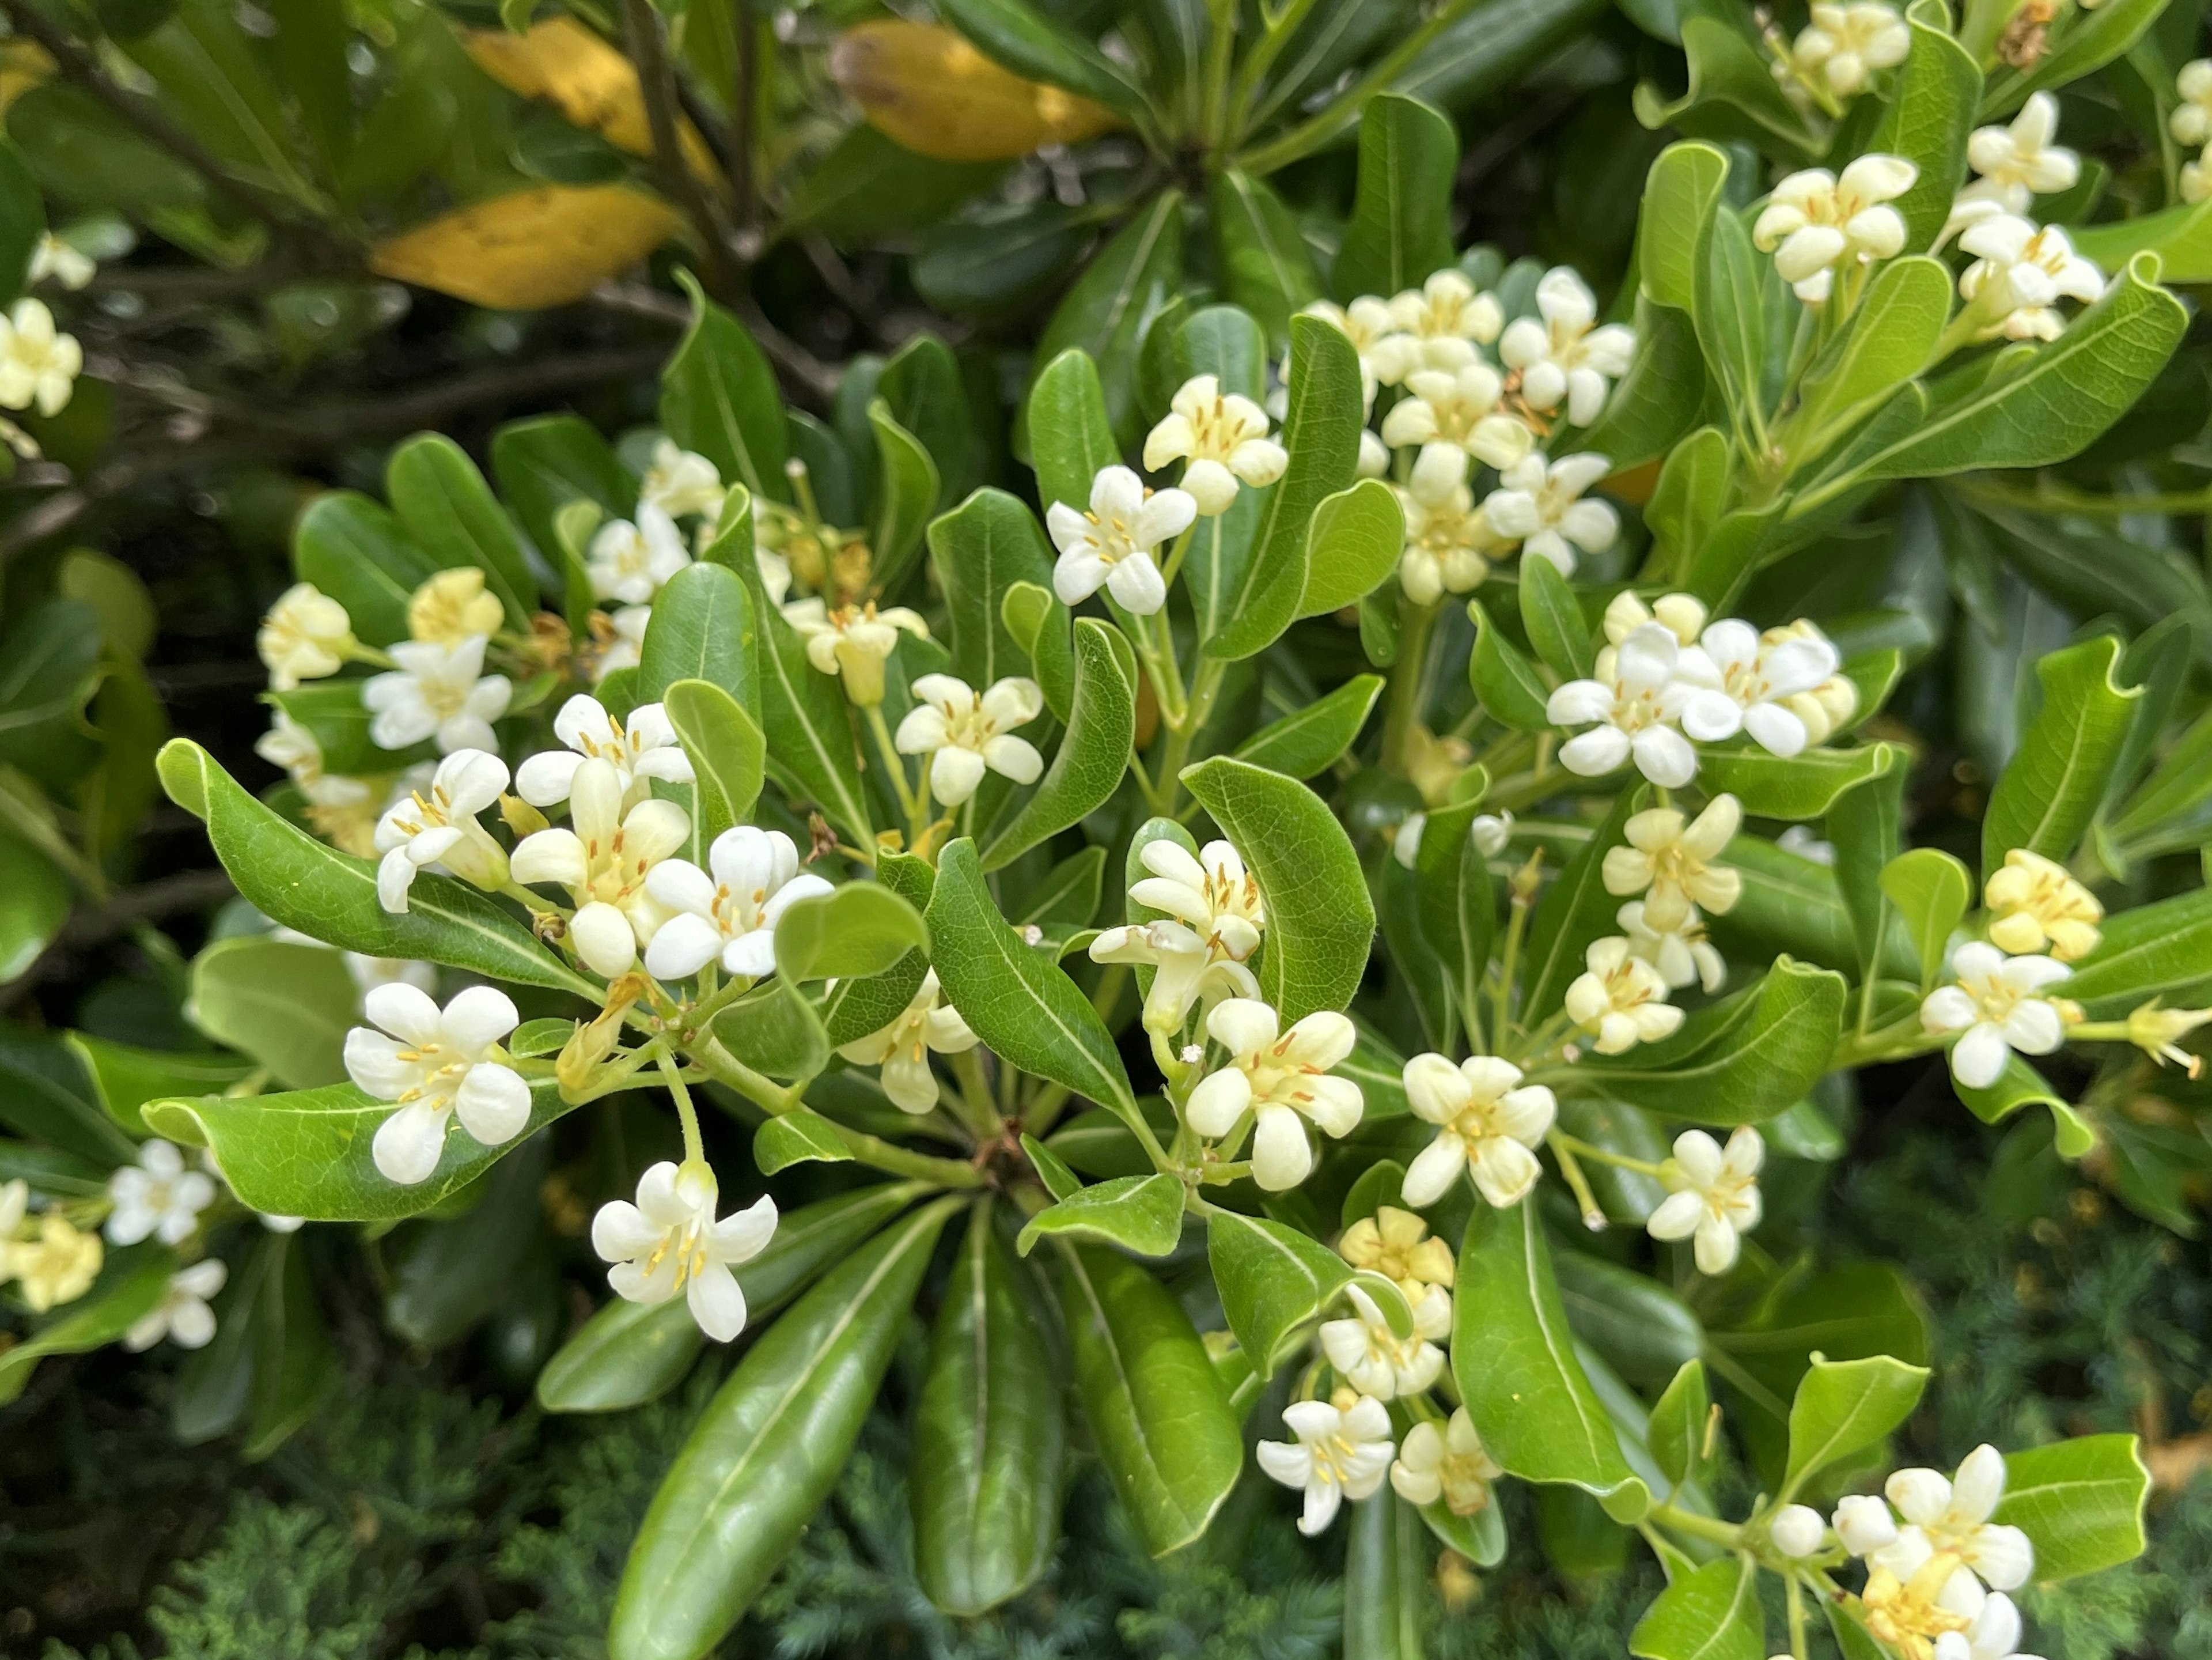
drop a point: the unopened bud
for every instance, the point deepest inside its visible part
(593, 1040)
(2158, 1033)
(520, 816)
(1796, 1530)
(1864, 1524)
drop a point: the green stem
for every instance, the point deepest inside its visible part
(695, 1148)
(976, 1094)
(1730, 1533)
(1563, 1148)
(1797, 1649)
(1344, 109)
(1407, 675)
(1258, 61)
(1166, 789)
(1575, 1144)
(897, 767)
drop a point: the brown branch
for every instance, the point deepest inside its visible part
(656, 80)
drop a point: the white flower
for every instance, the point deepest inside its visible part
(1565, 357)
(289, 745)
(1712, 1196)
(1374, 1360)
(963, 731)
(1864, 1524)
(1912, 1591)
(1276, 1076)
(157, 1198)
(631, 562)
(439, 691)
(1374, 456)
(669, 1242)
(1847, 41)
(441, 829)
(903, 1048)
(436, 1064)
(625, 642)
(305, 636)
(2019, 162)
(183, 1314)
(1682, 954)
(1374, 333)
(680, 482)
(1337, 1456)
(1994, 1634)
(729, 917)
(1221, 439)
(1449, 542)
(1954, 1516)
(451, 606)
(1199, 956)
(1451, 1464)
(38, 364)
(367, 973)
(1816, 222)
(603, 862)
(1453, 416)
(1489, 1125)
(69, 266)
(1670, 862)
(2034, 902)
(1998, 1005)
(2191, 123)
(1439, 324)
(2020, 275)
(2195, 180)
(1540, 506)
(1682, 615)
(643, 748)
(1796, 1530)
(1395, 1243)
(1632, 711)
(853, 642)
(1111, 545)
(1760, 678)
(1620, 999)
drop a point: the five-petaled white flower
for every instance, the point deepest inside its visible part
(1449, 542)
(38, 365)
(1845, 43)
(1620, 999)
(183, 1314)
(1954, 1516)
(2034, 902)
(1111, 545)
(437, 1064)
(603, 862)
(1439, 326)
(963, 731)
(1670, 862)
(901, 1050)
(1712, 1195)
(440, 828)
(669, 1242)
(2020, 275)
(1338, 1455)
(1450, 1464)
(157, 1198)
(679, 482)
(630, 561)
(2019, 162)
(1566, 357)
(306, 635)
(1682, 954)
(1817, 222)
(1451, 415)
(1632, 711)
(1374, 1360)
(2000, 1004)
(643, 748)
(1759, 679)
(1539, 505)
(1276, 1076)
(1397, 1244)
(730, 917)
(853, 642)
(1222, 439)
(437, 691)
(1489, 1124)
(1198, 956)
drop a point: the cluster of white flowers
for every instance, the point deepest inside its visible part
(628, 561)
(1667, 871)
(1214, 922)
(1665, 677)
(2191, 123)
(1839, 50)
(2000, 999)
(1817, 223)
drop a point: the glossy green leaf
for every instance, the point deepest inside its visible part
(1353, 546)
(776, 1029)
(1093, 754)
(718, 397)
(907, 483)
(287, 1005)
(2050, 788)
(979, 550)
(46, 1095)
(1939, 88)
(2020, 1084)
(855, 930)
(1932, 893)
(1642, 1329)
(446, 1275)
(1312, 740)
(1274, 1282)
(1680, 1424)
(1386, 1580)
(1266, 267)
(34, 903)
(1505, 679)
(1107, 312)
(1141, 1214)
(1071, 431)
(729, 756)
(800, 1136)
(549, 461)
(1659, 399)
(450, 512)
(1844, 1406)
(1729, 310)
(1802, 787)
(702, 629)
(125, 1077)
(1402, 214)
(1739, 1061)
(1031, 41)
(2161, 950)
(1710, 1614)
(1679, 195)
(1039, 625)
(2081, 1502)
(807, 724)
(1890, 338)
(358, 552)
(1458, 903)
(1554, 619)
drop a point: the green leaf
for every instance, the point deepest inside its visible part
(1739, 1061)
(1681, 193)
(1386, 1580)
(358, 552)
(125, 1078)
(1678, 1424)
(1352, 545)
(1402, 215)
(446, 1275)
(1052, 1170)
(1659, 399)
(1731, 314)
(2163, 949)
(992, 260)
(1890, 338)
(448, 508)
(34, 903)
(1575, 912)
(1162, 1426)
(1274, 1282)
(1842, 1406)
(1718, 569)
(1312, 740)
(1321, 920)
(131, 1282)
(307, 884)
(289, 1006)
(44, 1095)
(1938, 90)
(1513, 1357)
(1709, 1614)
(1505, 679)
(22, 223)
(1554, 619)
(1732, 92)
(805, 722)
(979, 550)
(776, 1029)
(1141, 1214)
(768, 1450)
(867, 187)
(1031, 42)
(2050, 788)
(1932, 893)
(1265, 264)
(926, 398)
(2020, 1084)
(717, 397)
(1458, 904)
(1070, 430)
(906, 496)
(1803, 786)
(2081, 1502)
(728, 754)
(215, 1384)
(2093, 39)
(1039, 625)
(1867, 828)
(988, 1437)
(702, 629)
(857, 929)
(1106, 313)
(1644, 1331)
(1094, 752)
(800, 1136)
(547, 462)
(215, 81)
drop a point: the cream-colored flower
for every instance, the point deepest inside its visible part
(1712, 1194)
(1450, 1463)
(2020, 275)
(2158, 1033)
(2191, 123)
(1198, 956)
(438, 1064)
(1339, 1454)
(1397, 1244)
(640, 749)
(1631, 708)
(38, 365)
(1863, 1525)
(437, 691)
(1761, 677)
(1847, 43)
(1673, 863)
(1998, 1004)
(1539, 505)
(2034, 902)
(1817, 222)
(1439, 326)
(56, 1266)
(68, 265)
(1488, 1125)
(728, 916)
(157, 1198)
(901, 1051)
(1374, 1360)
(1682, 615)
(604, 862)
(964, 731)
(1796, 1531)
(1279, 1078)
(1563, 354)
(1620, 999)
(680, 482)
(440, 828)
(183, 1314)
(1954, 1515)
(2020, 162)
(452, 606)
(1449, 544)
(1222, 440)
(306, 635)
(2195, 180)
(1683, 955)
(1374, 333)
(631, 561)
(1112, 545)
(669, 1243)
(1451, 416)
(853, 642)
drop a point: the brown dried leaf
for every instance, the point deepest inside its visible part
(929, 89)
(535, 248)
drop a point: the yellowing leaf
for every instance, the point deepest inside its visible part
(23, 65)
(595, 87)
(930, 90)
(538, 247)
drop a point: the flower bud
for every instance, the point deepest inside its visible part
(1864, 1524)
(1796, 1530)
(593, 1040)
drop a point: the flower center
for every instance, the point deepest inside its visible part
(616, 875)
(687, 1243)
(439, 1069)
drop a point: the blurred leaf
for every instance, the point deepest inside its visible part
(937, 96)
(530, 250)
(1401, 226)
